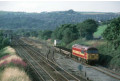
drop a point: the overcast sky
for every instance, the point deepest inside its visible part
(40, 6)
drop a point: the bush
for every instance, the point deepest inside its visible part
(5, 42)
(108, 57)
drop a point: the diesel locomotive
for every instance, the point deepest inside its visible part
(85, 53)
(82, 53)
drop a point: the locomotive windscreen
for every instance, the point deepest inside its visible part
(92, 51)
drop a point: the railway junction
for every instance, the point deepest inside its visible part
(50, 65)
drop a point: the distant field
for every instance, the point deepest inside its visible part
(99, 31)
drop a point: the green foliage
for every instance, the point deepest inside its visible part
(81, 29)
(3, 53)
(46, 34)
(68, 36)
(104, 54)
(87, 28)
(40, 34)
(34, 34)
(70, 32)
(67, 33)
(112, 33)
(78, 41)
(108, 57)
(3, 41)
(26, 32)
(115, 62)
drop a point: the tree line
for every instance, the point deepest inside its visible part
(3, 40)
(112, 33)
(70, 32)
(66, 32)
(110, 51)
(48, 20)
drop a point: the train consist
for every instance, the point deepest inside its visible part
(83, 53)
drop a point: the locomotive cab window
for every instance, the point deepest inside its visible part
(92, 51)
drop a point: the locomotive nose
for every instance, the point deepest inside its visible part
(93, 56)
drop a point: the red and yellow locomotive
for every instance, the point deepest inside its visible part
(85, 53)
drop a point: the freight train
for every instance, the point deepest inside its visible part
(85, 54)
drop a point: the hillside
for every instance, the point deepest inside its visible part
(48, 20)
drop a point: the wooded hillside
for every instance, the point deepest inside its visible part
(49, 20)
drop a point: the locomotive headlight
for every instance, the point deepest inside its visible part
(92, 56)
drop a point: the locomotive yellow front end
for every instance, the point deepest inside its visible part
(92, 55)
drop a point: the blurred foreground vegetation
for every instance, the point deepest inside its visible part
(12, 67)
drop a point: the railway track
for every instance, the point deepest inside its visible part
(51, 69)
(58, 69)
(101, 69)
(50, 55)
(52, 61)
(41, 73)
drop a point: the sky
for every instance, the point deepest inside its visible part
(41, 6)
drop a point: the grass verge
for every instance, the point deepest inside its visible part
(12, 67)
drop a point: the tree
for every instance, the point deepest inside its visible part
(69, 36)
(34, 33)
(40, 34)
(67, 33)
(112, 33)
(82, 30)
(87, 28)
(46, 34)
(5, 42)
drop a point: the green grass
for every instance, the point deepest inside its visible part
(78, 41)
(3, 52)
(99, 31)
(86, 42)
